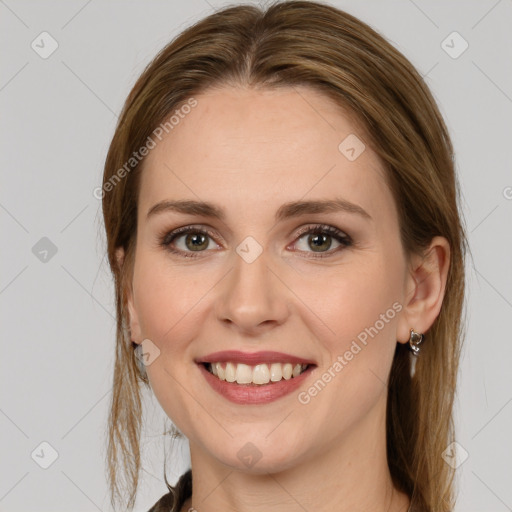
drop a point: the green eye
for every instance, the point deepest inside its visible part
(187, 240)
(319, 242)
(320, 239)
(196, 241)
(315, 241)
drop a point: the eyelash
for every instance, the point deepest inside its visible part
(339, 236)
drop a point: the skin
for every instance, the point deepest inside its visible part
(250, 152)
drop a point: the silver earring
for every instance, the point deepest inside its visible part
(415, 339)
(139, 360)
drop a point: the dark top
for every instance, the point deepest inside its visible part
(173, 500)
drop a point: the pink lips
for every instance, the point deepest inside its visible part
(252, 358)
(252, 394)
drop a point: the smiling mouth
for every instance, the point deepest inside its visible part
(259, 375)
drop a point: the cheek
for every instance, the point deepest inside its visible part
(373, 304)
(353, 302)
(361, 312)
(165, 297)
(168, 303)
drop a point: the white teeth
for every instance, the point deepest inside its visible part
(221, 372)
(259, 374)
(243, 374)
(276, 372)
(230, 372)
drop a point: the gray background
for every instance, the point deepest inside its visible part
(57, 310)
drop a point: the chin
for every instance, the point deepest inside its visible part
(258, 454)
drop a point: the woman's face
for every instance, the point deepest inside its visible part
(276, 273)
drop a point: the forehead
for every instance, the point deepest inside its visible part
(242, 146)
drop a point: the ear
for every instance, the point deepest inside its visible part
(424, 289)
(133, 320)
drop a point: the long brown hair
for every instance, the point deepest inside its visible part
(306, 43)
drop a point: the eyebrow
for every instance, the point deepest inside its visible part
(286, 211)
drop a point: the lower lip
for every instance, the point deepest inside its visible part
(254, 393)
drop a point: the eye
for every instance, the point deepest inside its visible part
(188, 240)
(319, 240)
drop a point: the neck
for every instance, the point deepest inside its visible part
(348, 474)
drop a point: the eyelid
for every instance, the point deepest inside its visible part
(168, 236)
(320, 227)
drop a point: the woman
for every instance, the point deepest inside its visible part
(280, 205)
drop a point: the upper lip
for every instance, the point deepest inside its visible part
(252, 358)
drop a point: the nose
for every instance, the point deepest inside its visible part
(252, 299)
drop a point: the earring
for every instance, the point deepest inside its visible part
(139, 360)
(414, 340)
